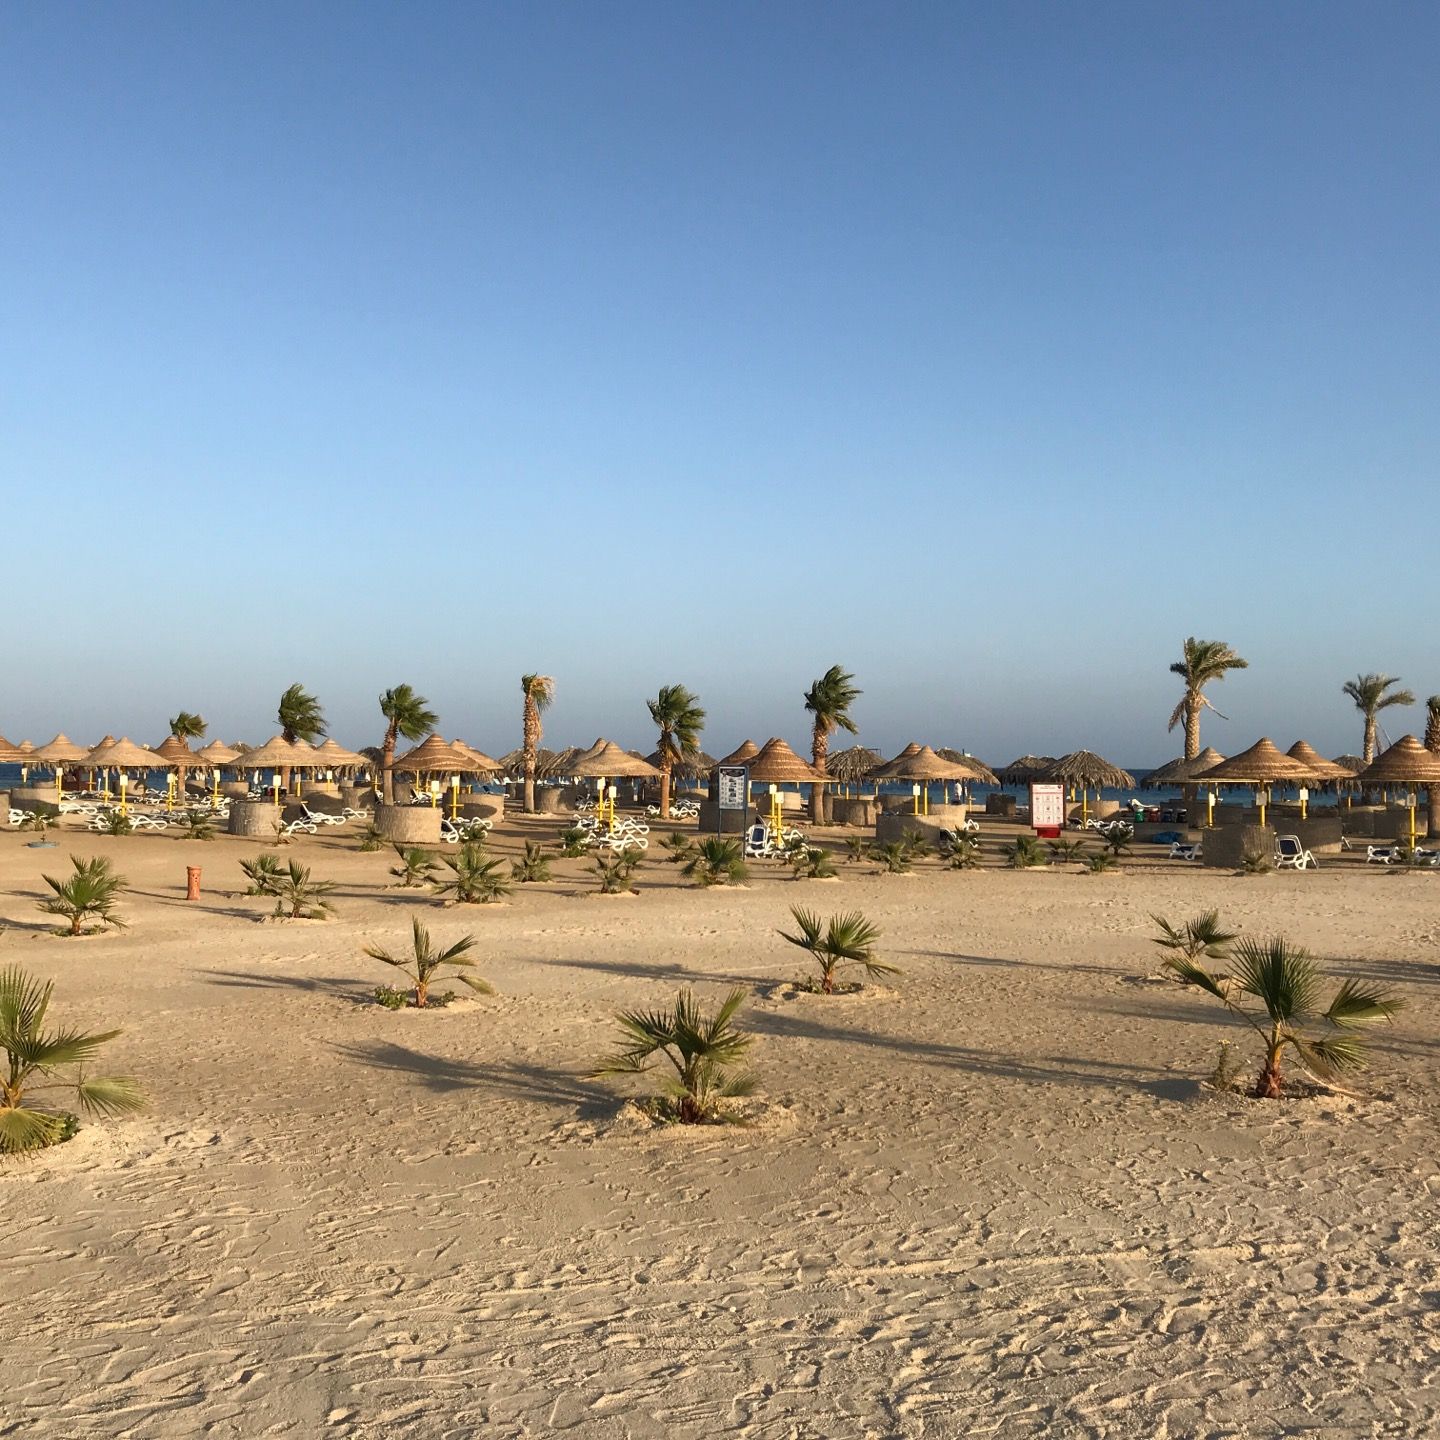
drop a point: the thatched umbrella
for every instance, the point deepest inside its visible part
(776, 764)
(216, 756)
(174, 749)
(1261, 765)
(1025, 769)
(1407, 762)
(10, 754)
(743, 754)
(605, 760)
(481, 763)
(854, 764)
(1353, 763)
(61, 751)
(1084, 768)
(1181, 771)
(124, 755)
(980, 771)
(277, 754)
(921, 764)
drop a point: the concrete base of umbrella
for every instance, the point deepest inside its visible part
(254, 819)
(409, 824)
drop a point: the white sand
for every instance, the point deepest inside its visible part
(991, 1200)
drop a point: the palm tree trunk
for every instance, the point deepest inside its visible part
(1432, 792)
(1192, 728)
(387, 772)
(820, 759)
(1367, 796)
(664, 787)
(529, 787)
(531, 742)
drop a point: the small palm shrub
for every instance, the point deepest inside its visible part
(89, 893)
(842, 940)
(717, 861)
(812, 863)
(916, 844)
(1202, 936)
(962, 851)
(416, 865)
(263, 873)
(37, 823)
(1024, 852)
(678, 847)
(706, 1053)
(298, 896)
(1097, 862)
(199, 825)
(893, 857)
(476, 879)
(617, 868)
(425, 961)
(574, 841)
(1065, 851)
(857, 848)
(1118, 838)
(371, 839)
(533, 867)
(1286, 982)
(1256, 862)
(35, 1060)
(114, 823)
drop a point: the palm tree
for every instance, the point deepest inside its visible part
(300, 718)
(844, 939)
(716, 861)
(703, 1050)
(297, 896)
(478, 880)
(678, 714)
(30, 1051)
(1286, 982)
(1202, 662)
(89, 893)
(829, 700)
(1368, 693)
(539, 691)
(416, 865)
(421, 966)
(1203, 935)
(188, 726)
(1432, 792)
(407, 714)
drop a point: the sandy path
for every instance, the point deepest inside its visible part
(988, 1201)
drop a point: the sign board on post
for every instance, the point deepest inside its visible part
(1047, 810)
(733, 787)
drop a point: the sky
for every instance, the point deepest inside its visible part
(987, 350)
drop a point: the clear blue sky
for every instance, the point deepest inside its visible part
(987, 349)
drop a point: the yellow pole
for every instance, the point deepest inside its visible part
(914, 799)
(169, 789)
(275, 783)
(59, 789)
(215, 797)
(1260, 801)
(1304, 801)
(454, 796)
(298, 781)
(1084, 803)
(1412, 819)
(122, 792)
(1209, 807)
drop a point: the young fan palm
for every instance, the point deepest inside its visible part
(300, 718)
(199, 825)
(424, 962)
(829, 700)
(32, 1054)
(894, 857)
(88, 894)
(478, 880)
(1369, 694)
(1201, 662)
(297, 896)
(1201, 936)
(616, 870)
(263, 873)
(1286, 982)
(706, 1053)
(842, 940)
(678, 714)
(1023, 853)
(716, 861)
(539, 691)
(188, 726)
(416, 865)
(533, 867)
(407, 714)
(809, 862)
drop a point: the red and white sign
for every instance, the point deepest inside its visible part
(1047, 809)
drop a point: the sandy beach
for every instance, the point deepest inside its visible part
(988, 1196)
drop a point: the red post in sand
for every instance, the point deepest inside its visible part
(192, 882)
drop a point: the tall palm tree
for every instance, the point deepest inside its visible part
(186, 726)
(300, 718)
(539, 691)
(407, 714)
(1368, 693)
(1202, 661)
(829, 700)
(1432, 792)
(678, 714)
